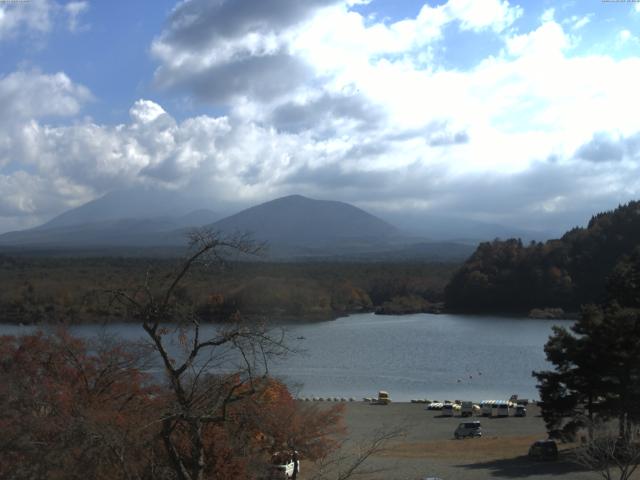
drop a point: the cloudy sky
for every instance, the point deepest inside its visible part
(519, 112)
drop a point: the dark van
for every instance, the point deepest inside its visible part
(544, 450)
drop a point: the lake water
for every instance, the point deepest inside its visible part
(413, 356)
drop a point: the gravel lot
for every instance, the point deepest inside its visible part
(427, 447)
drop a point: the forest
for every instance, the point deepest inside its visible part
(507, 276)
(38, 289)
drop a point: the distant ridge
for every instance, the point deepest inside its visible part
(294, 227)
(126, 204)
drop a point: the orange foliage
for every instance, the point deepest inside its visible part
(68, 413)
(72, 410)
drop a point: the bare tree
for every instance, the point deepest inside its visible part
(237, 353)
(222, 369)
(343, 465)
(612, 456)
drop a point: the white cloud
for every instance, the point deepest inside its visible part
(481, 14)
(580, 22)
(625, 37)
(39, 17)
(31, 94)
(548, 15)
(74, 11)
(335, 105)
(34, 16)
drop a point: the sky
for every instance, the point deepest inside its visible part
(522, 113)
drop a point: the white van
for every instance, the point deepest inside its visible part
(503, 409)
(485, 407)
(466, 409)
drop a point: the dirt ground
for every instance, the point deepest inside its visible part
(427, 448)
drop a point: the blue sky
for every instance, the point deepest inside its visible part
(515, 112)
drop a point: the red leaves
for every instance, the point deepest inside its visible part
(70, 411)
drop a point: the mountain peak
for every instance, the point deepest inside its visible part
(295, 219)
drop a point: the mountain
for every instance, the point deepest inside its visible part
(124, 232)
(566, 272)
(123, 218)
(440, 228)
(294, 228)
(297, 220)
(127, 203)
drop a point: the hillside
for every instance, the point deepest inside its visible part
(565, 273)
(127, 204)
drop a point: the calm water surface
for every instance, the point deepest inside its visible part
(413, 356)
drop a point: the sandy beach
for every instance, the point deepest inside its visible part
(427, 448)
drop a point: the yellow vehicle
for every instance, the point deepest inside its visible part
(383, 398)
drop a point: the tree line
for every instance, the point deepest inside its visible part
(71, 290)
(508, 276)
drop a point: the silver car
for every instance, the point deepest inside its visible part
(468, 429)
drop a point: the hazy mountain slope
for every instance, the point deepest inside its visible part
(440, 228)
(297, 220)
(138, 232)
(121, 204)
(294, 227)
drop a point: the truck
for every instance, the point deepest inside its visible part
(383, 398)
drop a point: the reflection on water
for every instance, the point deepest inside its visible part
(414, 356)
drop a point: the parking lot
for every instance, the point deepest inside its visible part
(427, 447)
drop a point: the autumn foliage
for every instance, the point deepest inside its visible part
(76, 409)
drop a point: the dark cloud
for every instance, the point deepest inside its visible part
(296, 117)
(260, 77)
(545, 197)
(199, 28)
(367, 149)
(601, 148)
(333, 177)
(202, 24)
(438, 133)
(448, 138)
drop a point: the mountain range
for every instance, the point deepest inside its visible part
(293, 227)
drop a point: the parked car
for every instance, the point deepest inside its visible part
(468, 429)
(521, 411)
(544, 450)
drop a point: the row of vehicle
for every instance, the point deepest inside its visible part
(489, 408)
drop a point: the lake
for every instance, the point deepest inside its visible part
(413, 356)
